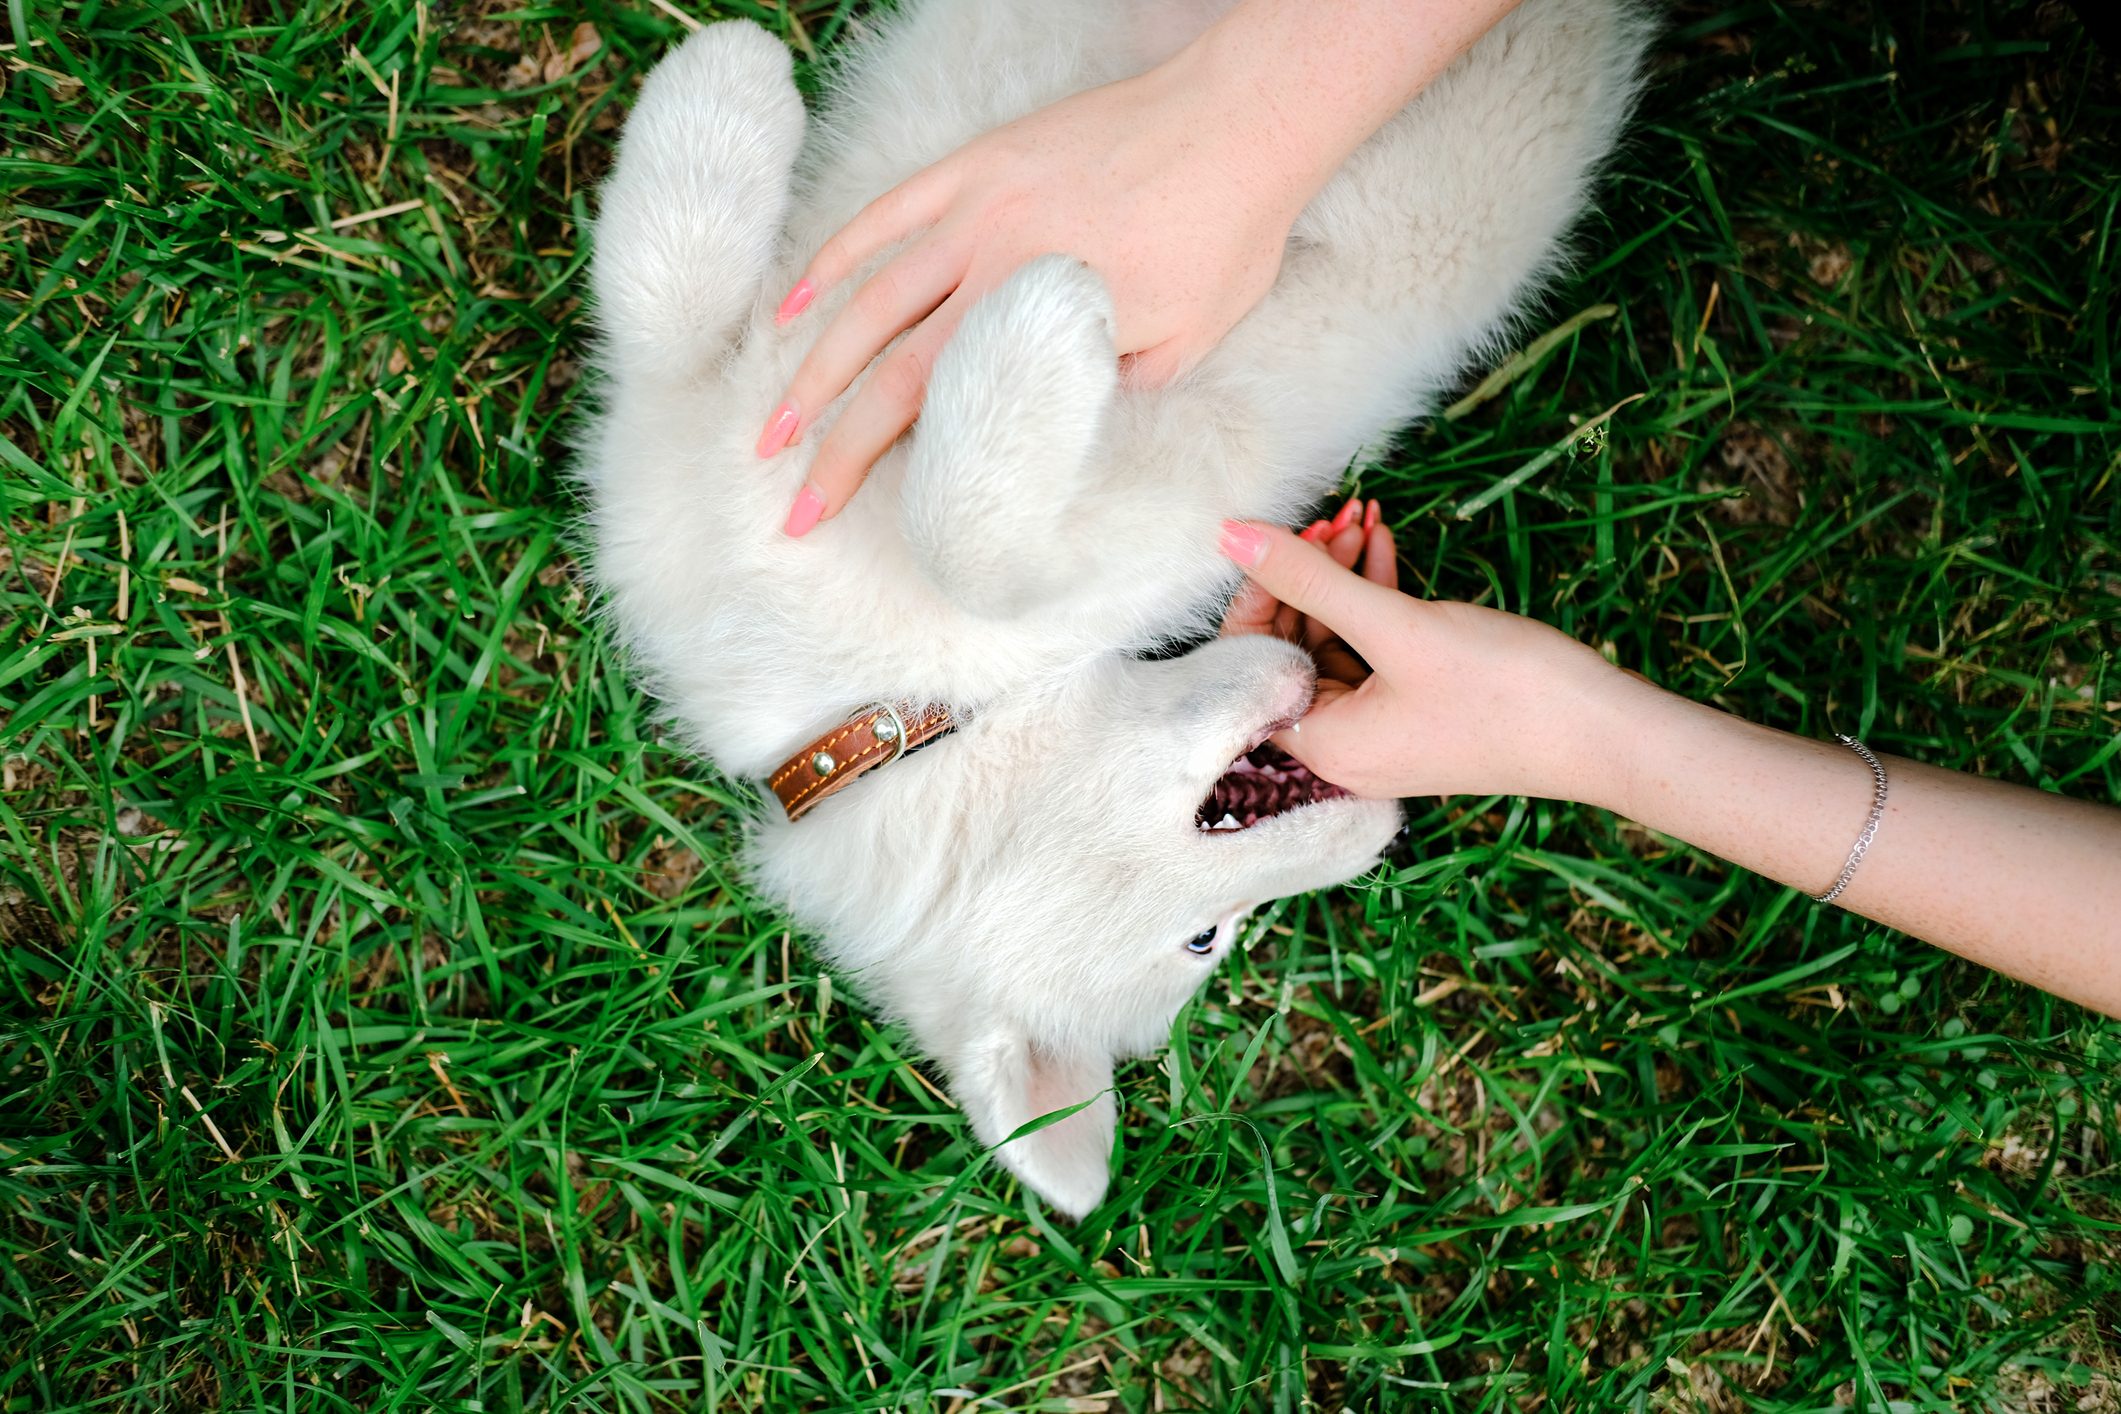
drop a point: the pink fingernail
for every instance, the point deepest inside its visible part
(1347, 514)
(797, 301)
(1243, 543)
(804, 513)
(1314, 532)
(779, 428)
(1369, 517)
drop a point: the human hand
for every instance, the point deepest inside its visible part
(1168, 185)
(1356, 541)
(1458, 699)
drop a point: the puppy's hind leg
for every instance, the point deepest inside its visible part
(1002, 460)
(695, 205)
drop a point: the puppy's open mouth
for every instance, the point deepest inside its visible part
(1261, 784)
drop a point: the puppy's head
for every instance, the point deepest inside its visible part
(1036, 896)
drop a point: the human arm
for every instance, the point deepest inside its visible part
(1179, 186)
(1467, 700)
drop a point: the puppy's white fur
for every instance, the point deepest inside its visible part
(1020, 894)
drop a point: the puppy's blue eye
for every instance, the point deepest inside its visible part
(1202, 942)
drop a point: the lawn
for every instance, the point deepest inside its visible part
(385, 1026)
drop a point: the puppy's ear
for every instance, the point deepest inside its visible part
(1005, 1082)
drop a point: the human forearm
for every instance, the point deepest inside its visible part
(2023, 881)
(1300, 91)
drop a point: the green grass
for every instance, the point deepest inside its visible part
(385, 1028)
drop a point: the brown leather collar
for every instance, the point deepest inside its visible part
(875, 736)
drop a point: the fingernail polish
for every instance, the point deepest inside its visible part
(797, 301)
(1347, 515)
(1369, 517)
(804, 513)
(1314, 532)
(779, 428)
(1243, 543)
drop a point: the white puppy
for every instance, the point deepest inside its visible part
(1037, 893)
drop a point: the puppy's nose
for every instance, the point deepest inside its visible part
(1294, 692)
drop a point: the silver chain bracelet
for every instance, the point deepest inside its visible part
(1870, 826)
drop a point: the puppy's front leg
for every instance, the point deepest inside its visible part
(1003, 459)
(693, 210)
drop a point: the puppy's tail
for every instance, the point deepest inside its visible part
(693, 209)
